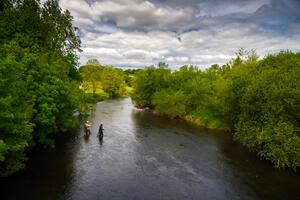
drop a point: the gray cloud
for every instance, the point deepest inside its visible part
(138, 15)
(136, 33)
(201, 47)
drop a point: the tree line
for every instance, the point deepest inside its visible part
(258, 100)
(100, 82)
(39, 80)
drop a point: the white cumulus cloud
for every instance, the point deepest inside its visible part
(138, 33)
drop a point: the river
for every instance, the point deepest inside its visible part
(144, 156)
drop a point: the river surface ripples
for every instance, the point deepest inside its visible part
(144, 156)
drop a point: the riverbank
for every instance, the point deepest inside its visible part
(213, 125)
(209, 119)
(257, 98)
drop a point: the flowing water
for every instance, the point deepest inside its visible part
(144, 156)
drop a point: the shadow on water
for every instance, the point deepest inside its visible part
(258, 174)
(100, 139)
(225, 168)
(144, 156)
(48, 174)
(101, 142)
(86, 138)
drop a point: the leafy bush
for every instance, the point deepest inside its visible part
(171, 103)
(269, 118)
(39, 90)
(208, 117)
(258, 99)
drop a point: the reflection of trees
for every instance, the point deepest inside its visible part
(49, 173)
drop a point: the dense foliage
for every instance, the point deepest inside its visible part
(39, 90)
(103, 81)
(259, 100)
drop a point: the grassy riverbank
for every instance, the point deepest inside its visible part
(208, 119)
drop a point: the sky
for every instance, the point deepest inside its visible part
(138, 33)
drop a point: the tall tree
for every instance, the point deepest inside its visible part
(58, 32)
(92, 75)
(38, 77)
(93, 62)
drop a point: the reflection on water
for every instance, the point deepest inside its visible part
(143, 156)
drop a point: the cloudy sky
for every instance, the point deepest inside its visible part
(137, 33)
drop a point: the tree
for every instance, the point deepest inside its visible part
(169, 102)
(106, 78)
(16, 110)
(91, 74)
(258, 99)
(58, 34)
(38, 78)
(147, 82)
(269, 118)
(93, 62)
(113, 81)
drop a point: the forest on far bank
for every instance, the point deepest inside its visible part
(101, 82)
(257, 99)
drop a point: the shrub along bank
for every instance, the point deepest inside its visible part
(259, 100)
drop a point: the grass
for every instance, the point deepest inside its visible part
(208, 118)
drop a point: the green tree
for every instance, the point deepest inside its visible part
(269, 118)
(258, 99)
(113, 81)
(107, 78)
(57, 32)
(15, 111)
(38, 78)
(91, 74)
(147, 82)
(168, 102)
(93, 62)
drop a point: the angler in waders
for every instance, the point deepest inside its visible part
(100, 132)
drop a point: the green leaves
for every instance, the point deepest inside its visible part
(169, 102)
(260, 99)
(147, 82)
(268, 119)
(3, 150)
(57, 30)
(15, 110)
(39, 92)
(103, 78)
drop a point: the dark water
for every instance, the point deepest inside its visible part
(144, 156)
